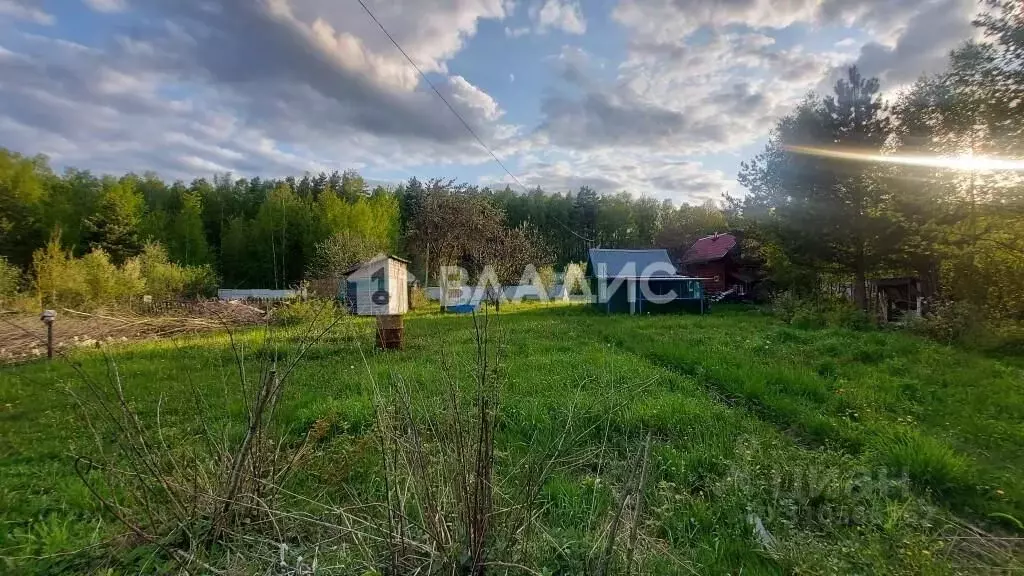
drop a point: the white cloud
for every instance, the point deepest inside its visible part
(663, 21)
(329, 92)
(511, 77)
(922, 46)
(107, 5)
(659, 175)
(696, 99)
(24, 10)
(474, 98)
(565, 15)
(727, 89)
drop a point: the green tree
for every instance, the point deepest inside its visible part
(187, 239)
(830, 214)
(72, 198)
(338, 253)
(681, 227)
(115, 225)
(353, 187)
(966, 220)
(23, 193)
(236, 263)
(452, 224)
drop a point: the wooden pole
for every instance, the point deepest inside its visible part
(48, 317)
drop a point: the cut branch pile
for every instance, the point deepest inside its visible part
(23, 336)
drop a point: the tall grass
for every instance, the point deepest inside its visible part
(947, 418)
(589, 445)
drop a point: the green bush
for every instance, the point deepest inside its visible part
(418, 299)
(307, 313)
(93, 280)
(949, 322)
(1008, 340)
(547, 277)
(106, 283)
(574, 278)
(965, 325)
(163, 278)
(807, 318)
(10, 278)
(846, 315)
(57, 278)
(785, 305)
(200, 281)
(813, 313)
(166, 280)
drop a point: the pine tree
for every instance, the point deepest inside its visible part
(115, 226)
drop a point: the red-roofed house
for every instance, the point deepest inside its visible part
(717, 258)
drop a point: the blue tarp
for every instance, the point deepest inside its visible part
(462, 308)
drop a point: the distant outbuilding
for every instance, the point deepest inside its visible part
(898, 299)
(641, 282)
(717, 259)
(377, 287)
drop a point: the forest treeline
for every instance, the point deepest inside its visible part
(277, 233)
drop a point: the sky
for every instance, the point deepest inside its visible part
(661, 98)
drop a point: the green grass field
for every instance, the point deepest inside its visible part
(772, 449)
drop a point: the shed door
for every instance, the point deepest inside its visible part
(351, 295)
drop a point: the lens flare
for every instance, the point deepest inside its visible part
(963, 162)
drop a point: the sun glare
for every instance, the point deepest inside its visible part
(963, 162)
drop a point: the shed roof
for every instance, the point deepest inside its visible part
(709, 248)
(374, 260)
(631, 263)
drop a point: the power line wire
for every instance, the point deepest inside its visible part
(456, 112)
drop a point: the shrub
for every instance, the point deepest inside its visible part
(199, 281)
(104, 283)
(547, 277)
(57, 277)
(418, 298)
(307, 313)
(784, 305)
(94, 281)
(948, 322)
(10, 278)
(807, 318)
(1008, 340)
(965, 325)
(574, 278)
(811, 313)
(165, 279)
(846, 315)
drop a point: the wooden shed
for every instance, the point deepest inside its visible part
(717, 258)
(898, 298)
(378, 287)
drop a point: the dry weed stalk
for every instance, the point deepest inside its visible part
(439, 471)
(187, 499)
(449, 509)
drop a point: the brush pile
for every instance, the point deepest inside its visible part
(23, 336)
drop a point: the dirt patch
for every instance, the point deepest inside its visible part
(23, 336)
